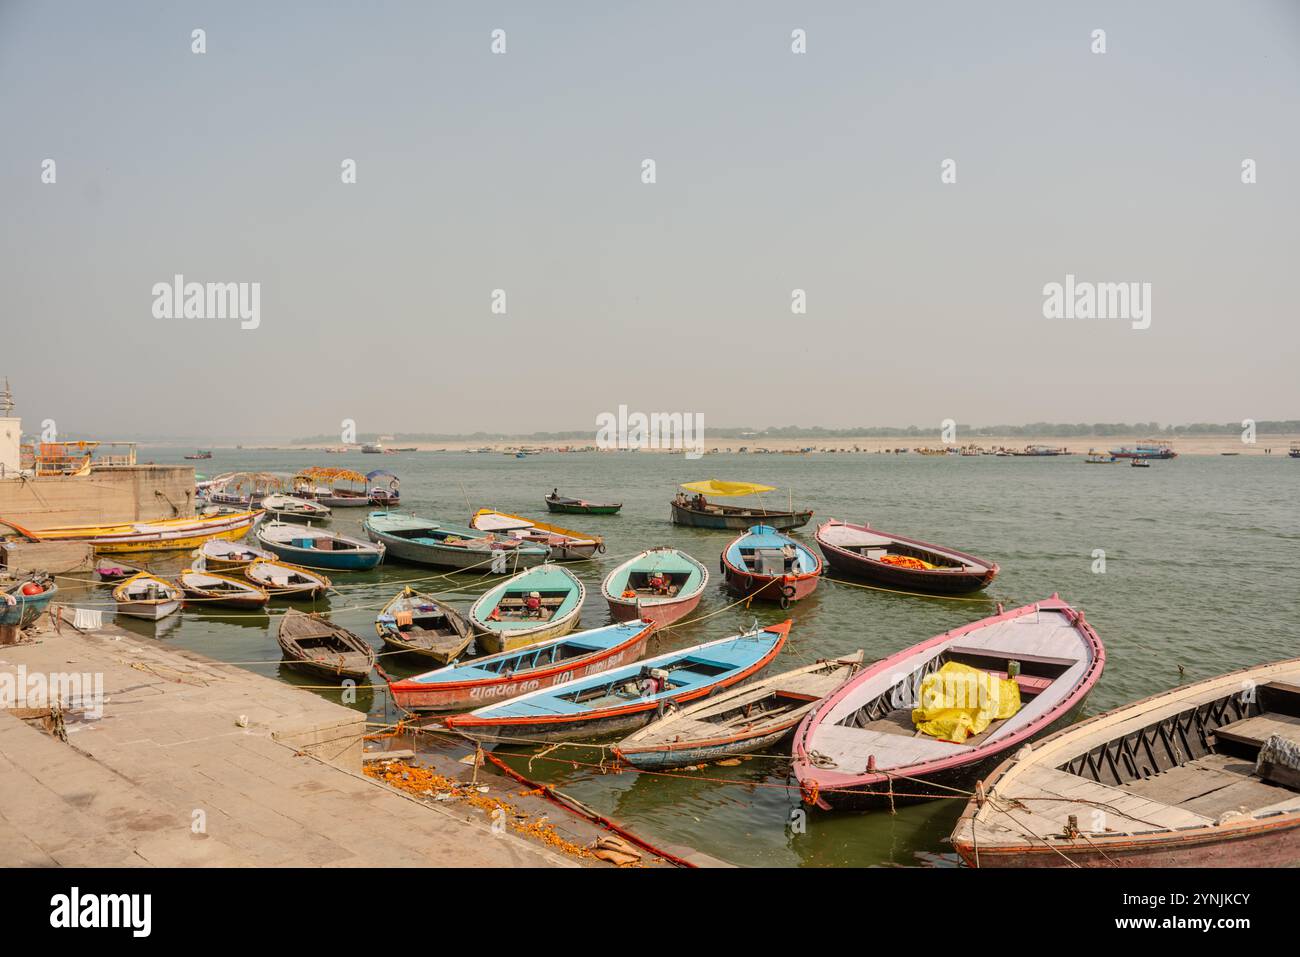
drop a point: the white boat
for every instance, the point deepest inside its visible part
(147, 596)
(290, 507)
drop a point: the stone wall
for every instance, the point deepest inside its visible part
(109, 495)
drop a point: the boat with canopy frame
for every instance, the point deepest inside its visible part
(335, 487)
(383, 488)
(698, 511)
(243, 489)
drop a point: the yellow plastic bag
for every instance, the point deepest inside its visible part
(958, 701)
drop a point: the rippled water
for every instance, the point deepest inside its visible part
(1200, 572)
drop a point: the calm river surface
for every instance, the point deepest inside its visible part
(1202, 570)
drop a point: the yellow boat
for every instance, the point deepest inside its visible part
(566, 544)
(173, 534)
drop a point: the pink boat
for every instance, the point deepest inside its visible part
(662, 585)
(859, 747)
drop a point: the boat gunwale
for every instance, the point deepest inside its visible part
(989, 568)
(766, 580)
(667, 601)
(829, 779)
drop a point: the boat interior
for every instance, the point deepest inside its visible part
(769, 553)
(213, 583)
(876, 721)
(513, 605)
(148, 589)
(314, 636)
(281, 576)
(683, 673)
(1205, 760)
(679, 575)
(326, 543)
(413, 618)
(880, 547)
(536, 656)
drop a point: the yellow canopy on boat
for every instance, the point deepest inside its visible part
(726, 489)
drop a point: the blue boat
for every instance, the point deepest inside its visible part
(625, 698)
(318, 548)
(25, 608)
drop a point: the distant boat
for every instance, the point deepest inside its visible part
(579, 506)
(499, 677)
(1146, 449)
(29, 593)
(201, 454)
(423, 625)
(206, 589)
(543, 602)
(763, 563)
(745, 719)
(423, 541)
(623, 699)
(860, 747)
(1294, 451)
(1202, 775)
(699, 512)
(337, 488)
(290, 507)
(282, 580)
(1140, 464)
(317, 548)
(565, 544)
(373, 448)
(315, 644)
(868, 554)
(1100, 458)
(147, 596)
(661, 584)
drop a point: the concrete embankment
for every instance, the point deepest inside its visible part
(185, 761)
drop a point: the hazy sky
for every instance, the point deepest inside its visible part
(522, 172)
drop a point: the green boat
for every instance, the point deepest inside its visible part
(543, 602)
(580, 506)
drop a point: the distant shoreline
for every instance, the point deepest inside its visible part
(1187, 445)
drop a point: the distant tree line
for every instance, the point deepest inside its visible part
(1032, 430)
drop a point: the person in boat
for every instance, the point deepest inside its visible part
(533, 605)
(788, 555)
(658, 583)
(699, 503)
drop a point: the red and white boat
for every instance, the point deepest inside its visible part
(860, 748)
(493, 678)
(763, 563)
(662, 585)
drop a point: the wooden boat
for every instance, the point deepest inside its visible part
(763, 563)
(623, 699)
(200, 454)
(205, 588)
(699, 512)
(423, 625)
(1146, 449)
(147, 596)
(556, 502)
(312, 643)
(565, 544)
(1140, 464)
(111, 570)
(422, 541)
(336, 488)
(540, 603)
(862, 552)
(24, 597)
(173, 534)
(1204, 775)
(1294, 450)
(1101, 458)
(662, 585)
(221, 556)
(243, 489)
(289, 507)
(495, 678)
(319, 548)
(384, 489)
(745, 719)
(859, 748)
(282, 580)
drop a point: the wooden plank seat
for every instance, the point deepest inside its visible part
(1253, 732)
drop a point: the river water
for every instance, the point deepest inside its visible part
(1200, 574)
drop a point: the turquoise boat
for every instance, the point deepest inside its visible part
(543, 602)
(25, 608)
(624, 699)
(660, 584)
(318, 548)
(422, 541)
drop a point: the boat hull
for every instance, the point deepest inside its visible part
(449, 556)
(905, 579)
(741, 520)
(662, 614)
(27, 608)
(319, 558)
(562, 509)
(656, 759)
(150, 611)
(468, 695)
(161, 536)
(494, 642)
(783, 589)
